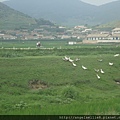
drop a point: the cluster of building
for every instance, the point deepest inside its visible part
(93, 36)
(86, 35)
(113, 36)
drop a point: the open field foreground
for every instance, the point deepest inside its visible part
(43, 82)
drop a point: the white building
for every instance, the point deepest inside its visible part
(102, 38)
(116, 31)
(71, 43)
(97, 36)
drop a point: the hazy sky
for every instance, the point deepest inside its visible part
(94, 2)
(2, 0)
(98, 2)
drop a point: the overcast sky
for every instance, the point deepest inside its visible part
(94, 2)
(98, 2)
(2, 0)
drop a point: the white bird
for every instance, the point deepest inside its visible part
(98, 76)
(96, 70)
(116, 55)
(102, 71)
(84, 67)
(100, 60)
(66, 58)
(74, 64)
(110, 63)
(117, 81)
(77, 59)
(70, 60)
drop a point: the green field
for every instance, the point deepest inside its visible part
(39, 82)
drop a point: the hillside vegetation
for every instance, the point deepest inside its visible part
(109, 26)
(68, 12)
(12, 19)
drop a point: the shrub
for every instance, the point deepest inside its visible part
(10, 54)
(20, 105)
(70, 92)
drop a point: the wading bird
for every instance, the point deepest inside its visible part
(74, 64)
(110, 63)
(116, 55)
(66, 58)
(77, 59)
(84, 67)
(96, 70)
(98, 76)
(102, 71)
(70, 60)
(100, 60)
(117, 81)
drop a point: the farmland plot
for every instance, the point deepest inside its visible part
(40, 82)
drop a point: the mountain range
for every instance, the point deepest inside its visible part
(12, 19)
(68, 12)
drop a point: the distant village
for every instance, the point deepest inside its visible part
(80, 33)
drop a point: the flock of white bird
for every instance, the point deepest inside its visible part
(65, 58)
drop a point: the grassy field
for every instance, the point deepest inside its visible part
(63, 44)
(39, 82)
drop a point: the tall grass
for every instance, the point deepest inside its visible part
(10, 53)
(108, 107)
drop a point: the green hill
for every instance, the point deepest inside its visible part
(68, 12)
(109, 26)
(12, 19)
